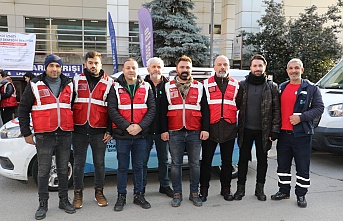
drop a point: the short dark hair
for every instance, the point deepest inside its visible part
(3, 73)
(93, 54)
(183, 58)
(258, 57)
(29, 75)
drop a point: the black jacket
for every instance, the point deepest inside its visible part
(120, 121)
(159, 92)
(86, 128)
(309, 103)
(270, 111)
(28, 99)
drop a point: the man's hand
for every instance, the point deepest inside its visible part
(134, 129)
(106, 138)
(165, 136)
(294, 119)
(204, 135)
(29, 139)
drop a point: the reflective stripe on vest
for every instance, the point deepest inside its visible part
(184, 112)
(126, 106)
(10, 101)
(46, 110)
(91, 106)
(221, 106)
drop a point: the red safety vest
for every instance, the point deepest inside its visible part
(132, 110)
(184, 113)
(49, 112)
(221, 106)
(91, 106)
(10, 101)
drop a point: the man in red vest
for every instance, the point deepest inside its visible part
(92, 126)
(131, 107)
(48, 98)
(8, 100)
(185, 123)
(221, 91)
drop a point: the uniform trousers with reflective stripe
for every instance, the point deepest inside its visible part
(299, 148)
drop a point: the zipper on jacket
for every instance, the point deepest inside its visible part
(58, 113)
(89, 105)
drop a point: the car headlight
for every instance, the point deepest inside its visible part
(336, 110)
(8, 133)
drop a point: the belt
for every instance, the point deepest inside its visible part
(288, 131)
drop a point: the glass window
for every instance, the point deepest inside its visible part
(217, 29)
(3, 23)
(41, 27)
(95, 35)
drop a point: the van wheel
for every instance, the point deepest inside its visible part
(216, 171)
(53, 180)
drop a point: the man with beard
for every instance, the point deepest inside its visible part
(221, 91)
(258, 121)
(185, 122)
(157, 82)
(92, 126)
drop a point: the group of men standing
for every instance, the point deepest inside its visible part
(178, 115)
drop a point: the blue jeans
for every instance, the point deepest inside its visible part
(162, 149)
(179, 141)
(137, 147)
(80, 146)
(47, 145)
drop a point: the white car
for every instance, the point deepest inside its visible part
(18, 160)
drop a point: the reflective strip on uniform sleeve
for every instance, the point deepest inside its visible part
(50, 106)
(302, 178)
(284, 174)
(284, 182)
(302, 185)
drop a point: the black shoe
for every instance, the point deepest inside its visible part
(227, 194)
(167, 190)
(203, 194)
(301, 200)
(66, 205)
(240, 192)
(42, 209)
(139, 199)
(280, 196)
(121, 201)
(259, 192)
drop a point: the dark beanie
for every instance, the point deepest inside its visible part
(52, 58)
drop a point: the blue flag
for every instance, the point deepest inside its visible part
(113, 43)
(146, 40)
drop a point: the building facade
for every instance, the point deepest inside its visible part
(71, 28)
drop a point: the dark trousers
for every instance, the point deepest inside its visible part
(80, 146)
(208, 149)
(249, 137)
(162, 149)
(7, 114)
(47, 146)
(299, 148)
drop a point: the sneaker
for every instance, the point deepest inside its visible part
(167, 190)
(194, 197)
(77, 201)
(139, 199)
(301, 201)
(177, 198)
(121, 201)
(100, 198)
(66, 205)
(280, 196)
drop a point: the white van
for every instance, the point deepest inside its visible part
(328, 134)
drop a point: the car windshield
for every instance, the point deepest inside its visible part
(333, 79)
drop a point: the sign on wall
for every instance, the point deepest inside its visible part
(17, 51)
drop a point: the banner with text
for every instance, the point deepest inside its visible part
(17, 51)
(146, 39)
(113, 43)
